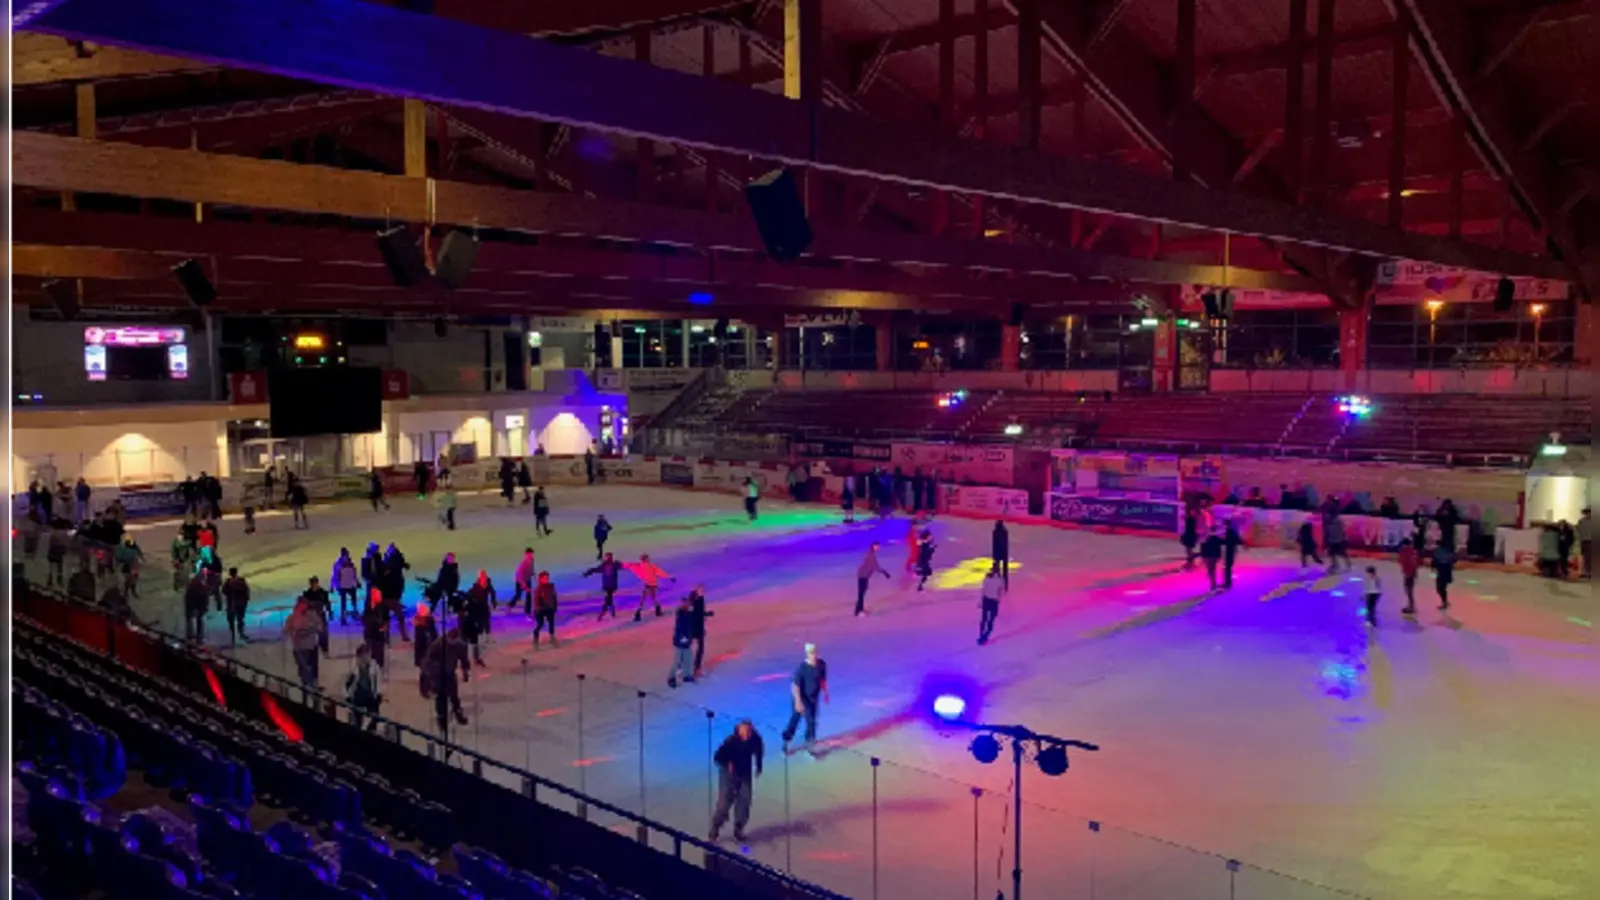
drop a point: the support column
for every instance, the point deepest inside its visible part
(1294, 101)
(1164, 364)
(1183, 88)
(1010, 347)
(980, 98)
(1353, 345)
(1030, 50)
(83, 121)
(1401, 64)
(883, 336)
(644, 148)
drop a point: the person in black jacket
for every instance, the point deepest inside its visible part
(925, 547)
(1231, 542)
(449, 579)
(1307, 539)
(697, 603)
(317, 597)
(393, 583)
(541, 512)
(602, 533)
(524, 480)
(739, 762)
(1000, 551)
(609, 570)
(236, 598)
(196, 599)
(375, 491)
(1211, 554)
(682, 642)
(298, 498)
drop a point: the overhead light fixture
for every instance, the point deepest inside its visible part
(1014, 429)
(1553, 450)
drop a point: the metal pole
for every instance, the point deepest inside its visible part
(788, 833)
(527, 751)
(711, 765)
(583, 778)
(1016, 827)
(644, 810)
(875, 762)
(976, 793)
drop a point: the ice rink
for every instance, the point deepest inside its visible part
(1449, 756)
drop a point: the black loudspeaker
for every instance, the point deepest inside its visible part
(780, 214)
(64, 297)
(195, 283)
(1017, 312)
(456, 256)
(1210, 301)
(1504, 292)
(440, 327)
(515, 347)
(720, 330)
(403, 255)
(602, 346)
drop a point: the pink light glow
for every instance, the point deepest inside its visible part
(132, 336)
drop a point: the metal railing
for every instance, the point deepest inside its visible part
(850, 822)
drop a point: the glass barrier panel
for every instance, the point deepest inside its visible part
(1130, 866)
(828, 838)
(608, 752)
(933, 834)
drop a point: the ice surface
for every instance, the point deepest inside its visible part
(1445, 756)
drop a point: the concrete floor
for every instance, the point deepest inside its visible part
(1446, 756)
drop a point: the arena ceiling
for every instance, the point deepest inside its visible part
(959, 154)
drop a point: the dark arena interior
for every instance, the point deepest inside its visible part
(1107, 449)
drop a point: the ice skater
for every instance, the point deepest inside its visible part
(1000, 550)
(475, 607)
(994, 587)
(1306, 537)
(650, 575)
(524, 480)
(847, 500)
(1444, 572)
(437, 678)
(375, 491)
(1231, 542)
(544, 609)
(808, 690)
(1190, 539)
(541, 512)
(1410, 561)
(697, 602)
(1371, 590)
(602, 533)
(447, 505)
(868, 567)
(1211, 555)
(913, 546)
(523, 579)
(925, 548)
(297, 504)
(1333, 540)
(304, 629)
(752, 496)
(236, 599)
(346, 579)
(682, 644)
(739, 762)
(609, 571)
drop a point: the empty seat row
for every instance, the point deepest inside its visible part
(48, 732)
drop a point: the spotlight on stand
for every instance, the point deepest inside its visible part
(985, 748)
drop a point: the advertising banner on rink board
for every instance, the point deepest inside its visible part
(1122, 512)
(986, 501)
(986, 465)
(729, 477)
(677, 473)
(630, 471)
(844, 450)
(1280, 527)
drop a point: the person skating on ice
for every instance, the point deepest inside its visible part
(447, 505)
(346, 579)
(1306, 538)
(1410, 562)
(419, 474)
(913, 545)
(523, 578)
(739, 762)
(475, 617)
(1000, 550)
(994, 587)
(697, 602)
(541, 512)
(847, 500)
(1371, 590)
(363, 686)
(318, 597)
(372, 569)
(425, 628)
(508, 482)
(682, 644)
(448, 581)
(925, 548)
(524, 479)
(1190, 539)
(544, 608)
(1231, 542)
(375, 626)
(808, 690)
(1211, 555)
(610, 572)
(1333, 540)
(375, 491)
(393, 581)
(650, 575)
(602, 533)
(297, 504)
(437, 677)
(868, 567)
(235, 600)
(1444, 572)
(752, 496)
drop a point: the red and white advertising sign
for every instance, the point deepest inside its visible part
(247, 387)
(396, 384)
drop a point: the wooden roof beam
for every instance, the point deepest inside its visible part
(362, 46)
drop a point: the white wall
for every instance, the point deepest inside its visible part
(129, 453)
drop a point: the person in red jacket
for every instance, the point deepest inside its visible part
(1410, 562)
(523, 578)
(544, 608)
(650, 574)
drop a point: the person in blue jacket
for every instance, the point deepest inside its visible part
(609, 571)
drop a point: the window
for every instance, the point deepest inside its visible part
(1279, 339)
(839, 347)
(1471, 334)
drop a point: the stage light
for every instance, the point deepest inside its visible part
(1537, 309)
(700, 298)
(1052, 761)
(1553, 450)
(1014, 429)
(949, 707)
(984, 748)
(1149, 322)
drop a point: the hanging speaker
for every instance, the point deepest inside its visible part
(602, 346)
(441, 328)
(64, 297)
(196, 285)
(1017, 312)
(1209, 299)
(1504, 292)
(780, 214)
(403, 255)
(1225, 303)
(456, 256)
(720, 330)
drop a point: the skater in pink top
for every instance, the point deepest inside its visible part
(650, 574)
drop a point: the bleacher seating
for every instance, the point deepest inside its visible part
(206, 846)
(848, 413)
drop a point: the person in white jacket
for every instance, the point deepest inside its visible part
(346, 579)
(363, 687)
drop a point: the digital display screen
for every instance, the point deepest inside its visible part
(135, 352)
(94, 361)
(133, 336)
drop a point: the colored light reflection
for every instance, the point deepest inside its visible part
(969, 573)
